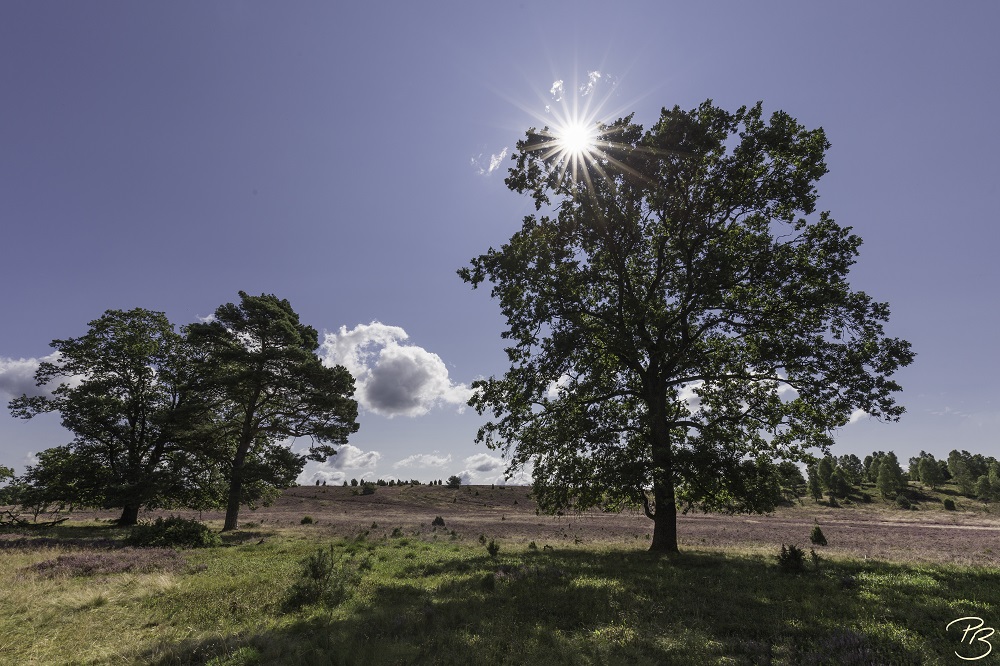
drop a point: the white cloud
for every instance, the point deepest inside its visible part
(485, 167)
(554, 388)
(495, 160)
(857, 415)
(392, 379)
(351, 457)
(17, 376)
(336, 469)
(688, 396)
(557, 90)
(593, 78)
(483, 462)
(424, 460)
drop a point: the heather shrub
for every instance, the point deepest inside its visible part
(125, 560)
(172, 532)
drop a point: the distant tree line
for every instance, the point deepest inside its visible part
(976, 476)
(197, 418)
(453, 481)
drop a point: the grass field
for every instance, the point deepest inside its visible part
(405, 592)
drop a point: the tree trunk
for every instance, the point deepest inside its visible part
(664, 520)
(130, 515)
(235, 491)
(665, 514)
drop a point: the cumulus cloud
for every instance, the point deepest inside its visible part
(351, 457)
(17, 376)
(857, 415)
(392, 379)
(483, 462)
(424, 460)
(349, 461)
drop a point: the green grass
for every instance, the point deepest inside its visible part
(445, 601)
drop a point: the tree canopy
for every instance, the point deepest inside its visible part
(260, 364)
(679, 316)
(118, 390)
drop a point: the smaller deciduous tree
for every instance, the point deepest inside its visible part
(825, 471)
(890, 477)
(984, 489)
(930, 472)
(871, 466)
(839, 487)
(454, 481)
(815, 487)
(852, 468)
(793, 484)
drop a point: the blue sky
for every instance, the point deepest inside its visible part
(168, 155)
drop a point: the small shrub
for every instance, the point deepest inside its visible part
(815, 558)
(791, 558)
(949, 504)
(306, 520)
(438, 522)
(493, 548)
(902, 502)
(172, 532)
(368, 488)
(866, 498)
(324, 578)
(817, 537)
(397, 532)
(532, 546)
(482, 539)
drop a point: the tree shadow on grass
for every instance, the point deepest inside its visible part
(583, 607)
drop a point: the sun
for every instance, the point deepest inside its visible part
(575, 139)
(575, 146)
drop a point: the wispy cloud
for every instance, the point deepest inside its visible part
(484, 166)
(593, 78)
(557, 90)
(424, 460)
(392, 379)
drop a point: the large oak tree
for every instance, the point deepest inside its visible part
(120, 389)
(679, 316)
(259, 364)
